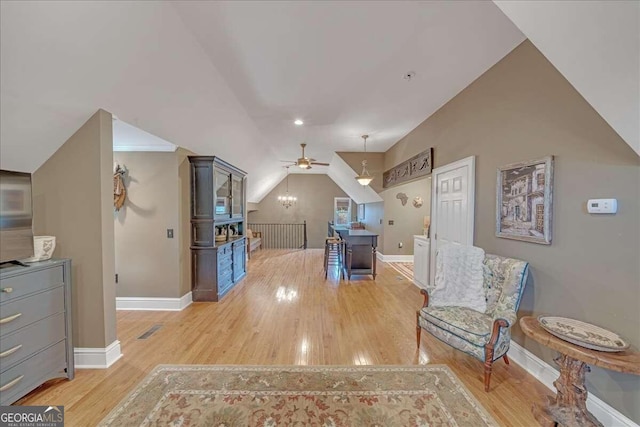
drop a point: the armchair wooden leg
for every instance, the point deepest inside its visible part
(488, 363)
(506, 359)
(418, 330)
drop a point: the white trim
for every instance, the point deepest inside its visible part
(394, 258)
(97, 358)
(154, 304)
(546, 374)
(470, 162)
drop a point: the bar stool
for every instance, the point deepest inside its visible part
(333, 249)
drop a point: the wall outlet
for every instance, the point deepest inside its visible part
(169, 233)
(390, 222)
(400, 244)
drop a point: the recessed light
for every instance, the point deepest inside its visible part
(299, 122)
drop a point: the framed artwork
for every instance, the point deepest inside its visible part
(361, 212)
(524, 201)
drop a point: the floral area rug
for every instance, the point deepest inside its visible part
(217, 395)
(404, 268)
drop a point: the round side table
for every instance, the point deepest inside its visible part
(569, 406)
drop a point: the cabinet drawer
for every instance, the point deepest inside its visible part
(18, 286)
(16, 314)
(224, 284)
(227, 270)
(26, 376)
(31, 339)
(224, 261)
(224, 250)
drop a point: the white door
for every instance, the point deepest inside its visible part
(452, 206)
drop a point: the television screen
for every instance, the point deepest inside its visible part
(16, 235)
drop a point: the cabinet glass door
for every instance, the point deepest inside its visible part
(237, 201)
(222, 188)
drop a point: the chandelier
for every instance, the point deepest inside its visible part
(287, 200)
(364, 178)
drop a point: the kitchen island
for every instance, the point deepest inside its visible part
(359, 256)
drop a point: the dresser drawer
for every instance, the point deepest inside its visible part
(24, 342)
(18, 286)
(16, 381)
(16, 314)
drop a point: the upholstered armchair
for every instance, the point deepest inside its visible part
(485, 336)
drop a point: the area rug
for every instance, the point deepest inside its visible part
(215, 395)
(404, 268)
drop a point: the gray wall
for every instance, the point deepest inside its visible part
(375, 165)
(147, 262)
(158, 197)
(373, 218)
(407, 220)
(522, 109)
(73, 200)
(315, 195)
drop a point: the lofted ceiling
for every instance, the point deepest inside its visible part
(229, 78)
(596, 46)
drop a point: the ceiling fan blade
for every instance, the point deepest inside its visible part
(320, 164)
(289, 161)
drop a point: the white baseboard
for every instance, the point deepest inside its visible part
(394, 258)
(154, 304)
(546, 374)
(97, 358)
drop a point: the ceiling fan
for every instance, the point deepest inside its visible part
(305, 162)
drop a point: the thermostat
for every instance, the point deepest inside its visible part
(602, 206)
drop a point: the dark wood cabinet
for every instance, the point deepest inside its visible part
(218, 245)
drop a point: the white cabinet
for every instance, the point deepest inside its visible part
(421, 252)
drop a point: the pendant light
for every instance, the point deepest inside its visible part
(286, 201)
(364, 178)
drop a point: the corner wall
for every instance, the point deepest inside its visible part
(523, 109)
(73, 200)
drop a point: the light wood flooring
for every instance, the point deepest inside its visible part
(283, 313)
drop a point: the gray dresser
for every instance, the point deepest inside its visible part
(35, 327)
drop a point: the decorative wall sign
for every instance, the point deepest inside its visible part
(524, 200)
(416, 167)
(417, 202)
(402, 197)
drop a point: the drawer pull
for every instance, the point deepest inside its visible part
(11, 351)
(10, 384)
(6, 290)
(10, 318)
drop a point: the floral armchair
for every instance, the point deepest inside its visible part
(485, 336)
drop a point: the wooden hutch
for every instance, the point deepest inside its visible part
(218, 246)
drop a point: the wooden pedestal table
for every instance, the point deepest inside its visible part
(569, 407)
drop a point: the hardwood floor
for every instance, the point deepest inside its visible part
(282, 313)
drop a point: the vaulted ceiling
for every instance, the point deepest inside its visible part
(229, 78)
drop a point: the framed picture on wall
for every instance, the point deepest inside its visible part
(524, 201)
(361, 212)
